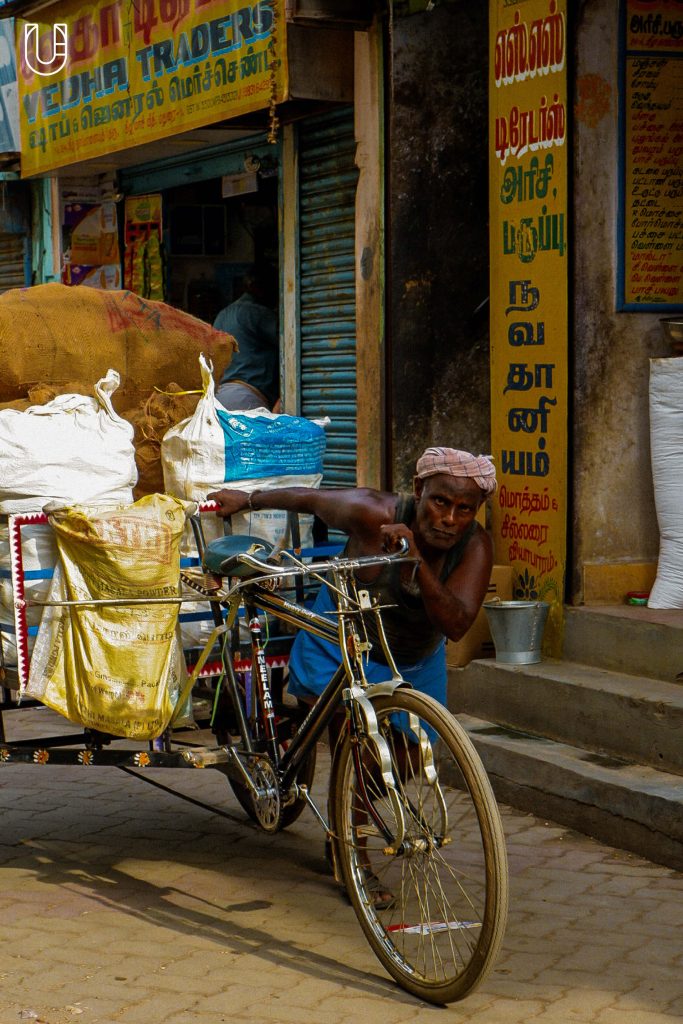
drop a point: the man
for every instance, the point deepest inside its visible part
(251, 381)
(436, 597)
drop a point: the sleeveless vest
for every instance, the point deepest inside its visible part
(409, 630)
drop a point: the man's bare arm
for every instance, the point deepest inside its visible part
(355, 511)
(453, 605)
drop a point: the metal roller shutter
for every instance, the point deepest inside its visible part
(327, 295)
(13, 262)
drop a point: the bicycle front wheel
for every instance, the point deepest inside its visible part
(433, 905)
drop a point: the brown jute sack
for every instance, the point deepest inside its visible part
(56, 333)
(162, 409)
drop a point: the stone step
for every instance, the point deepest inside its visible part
(607, 712)
(635, 640)
(628, 806)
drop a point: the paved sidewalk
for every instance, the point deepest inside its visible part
(122, 904)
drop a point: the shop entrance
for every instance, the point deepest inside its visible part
(212, 239)
(192, 226)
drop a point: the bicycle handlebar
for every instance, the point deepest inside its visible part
(271, 569)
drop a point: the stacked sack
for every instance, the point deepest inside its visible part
(248, 450)
(53, 332)
(666, 447)
(117, 668)
(73, 449)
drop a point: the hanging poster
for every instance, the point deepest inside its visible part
(143, 267)
(529, 252)
(139, 72)
(91, 245)
(651, 173)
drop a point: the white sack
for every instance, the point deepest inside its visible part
(666, 443)
(74, 450)
(193, 460)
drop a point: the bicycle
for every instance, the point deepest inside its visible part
(414, 828)
(415, 832)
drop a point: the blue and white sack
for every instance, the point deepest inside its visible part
(246, 449)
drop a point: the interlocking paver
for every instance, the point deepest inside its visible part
(125, 903)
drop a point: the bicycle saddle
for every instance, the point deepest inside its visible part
(222, 556)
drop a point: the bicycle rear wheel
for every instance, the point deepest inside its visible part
(433, 910)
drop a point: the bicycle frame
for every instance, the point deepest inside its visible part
(348, 683)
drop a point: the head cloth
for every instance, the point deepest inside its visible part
(479, 468)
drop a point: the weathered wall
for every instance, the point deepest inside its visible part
(613, 508)
(438, 386)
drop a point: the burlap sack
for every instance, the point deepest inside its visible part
(54, 333)
(162, 410)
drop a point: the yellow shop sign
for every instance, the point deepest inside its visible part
(529, 248)
(141, 72)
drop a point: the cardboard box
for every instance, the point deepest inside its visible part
(477, 642)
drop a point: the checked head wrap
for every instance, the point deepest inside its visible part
(454, 462)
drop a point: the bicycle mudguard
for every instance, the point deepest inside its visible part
(222, 555)
(388, 687)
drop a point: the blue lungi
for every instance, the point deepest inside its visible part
(313, 662)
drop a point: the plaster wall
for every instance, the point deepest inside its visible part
(613, 517)
(438, 375)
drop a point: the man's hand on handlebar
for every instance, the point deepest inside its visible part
(229, 501)
(396, 537)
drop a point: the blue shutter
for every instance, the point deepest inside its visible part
(15, 262)
(327, 293)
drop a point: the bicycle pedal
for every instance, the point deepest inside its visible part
(206, 756)
(204, 582)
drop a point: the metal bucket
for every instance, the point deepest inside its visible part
(517, 630)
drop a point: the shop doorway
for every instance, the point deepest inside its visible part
(204, 219)
(212, 239)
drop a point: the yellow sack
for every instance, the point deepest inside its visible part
(118, 669)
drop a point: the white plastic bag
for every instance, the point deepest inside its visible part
(193, 452)
(195, 460)
(240, 448)
(74, 449)
(666, 443)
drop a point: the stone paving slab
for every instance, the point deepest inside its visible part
(122, 904)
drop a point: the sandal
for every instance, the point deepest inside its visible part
(381, 897)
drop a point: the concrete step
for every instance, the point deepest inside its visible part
(628, 806)
(640, 641)
(627, 716)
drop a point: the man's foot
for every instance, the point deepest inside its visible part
(382, 898)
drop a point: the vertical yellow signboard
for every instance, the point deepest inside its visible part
(529, 256)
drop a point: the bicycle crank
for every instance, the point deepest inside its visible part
(267, 801)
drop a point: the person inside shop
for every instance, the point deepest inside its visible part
(437, 596)
(251, 381)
